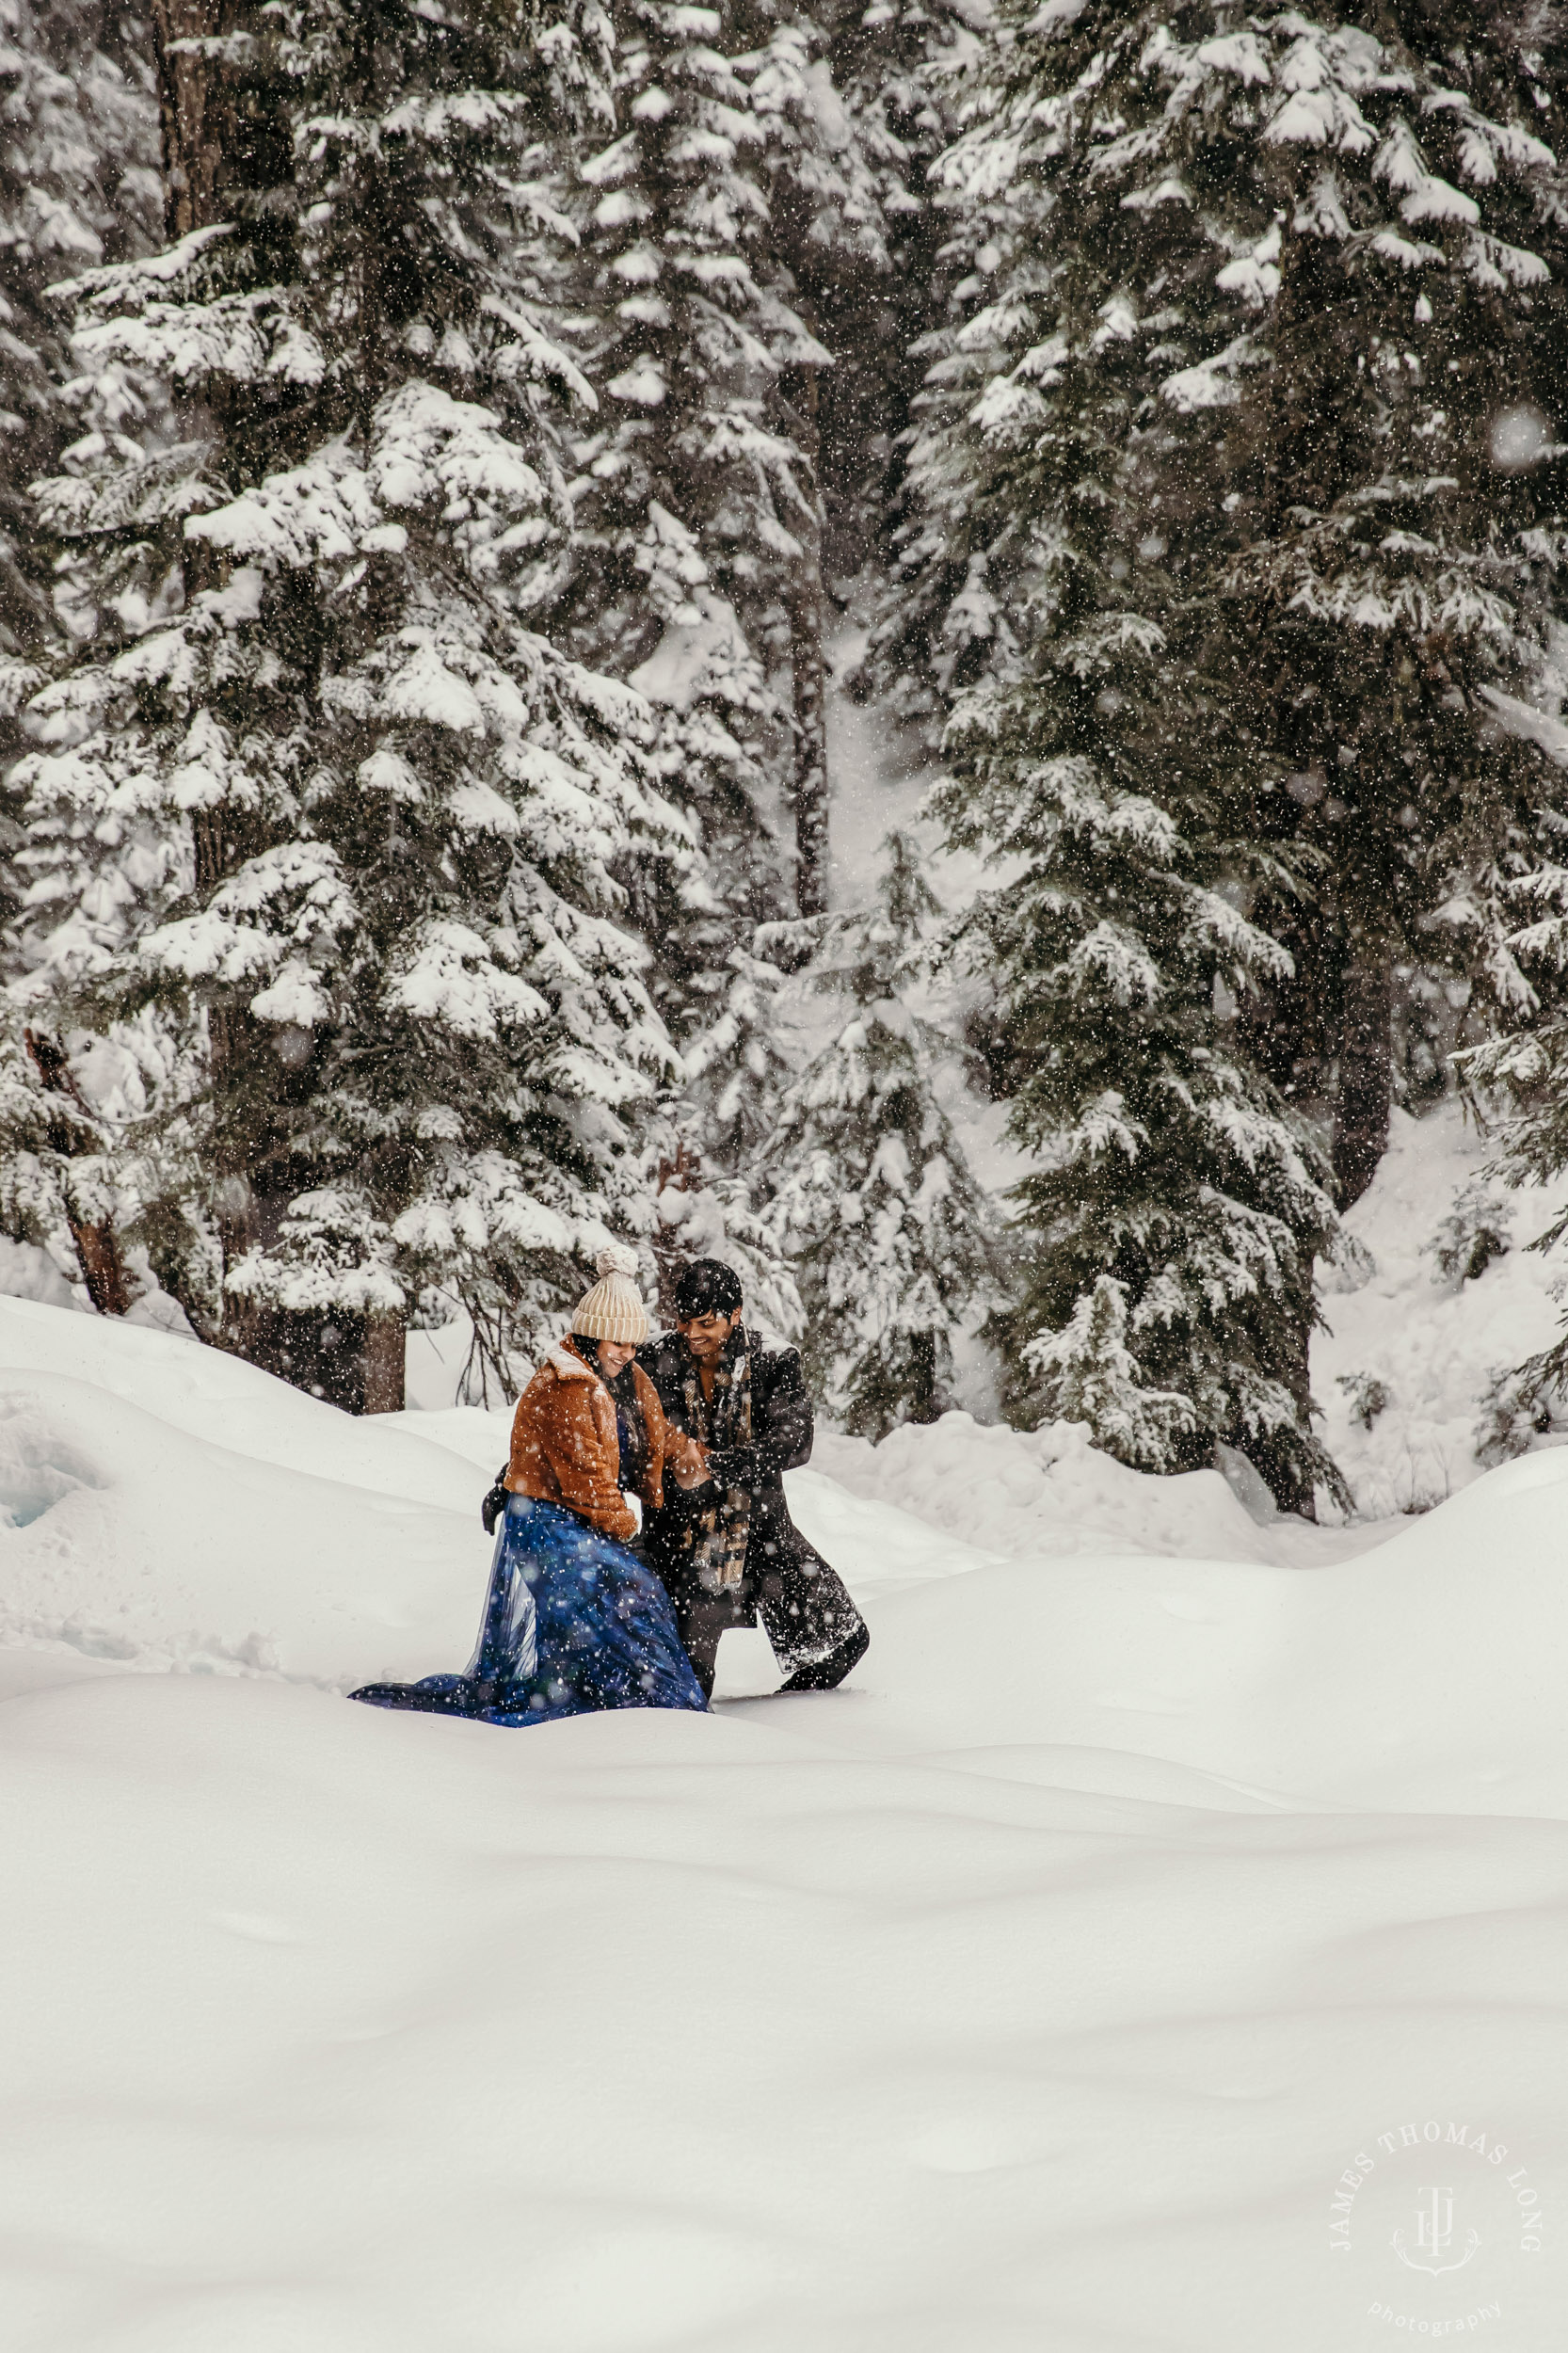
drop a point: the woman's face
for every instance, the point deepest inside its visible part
(615, 1356)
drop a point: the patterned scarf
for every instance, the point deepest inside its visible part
(719, 1537)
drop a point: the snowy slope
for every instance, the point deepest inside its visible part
(1033, 1992)
(166, 1504)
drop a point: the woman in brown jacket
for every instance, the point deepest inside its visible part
(572, 1619)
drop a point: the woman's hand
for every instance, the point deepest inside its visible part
(691, 1466)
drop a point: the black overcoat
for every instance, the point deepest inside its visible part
(803, 1607)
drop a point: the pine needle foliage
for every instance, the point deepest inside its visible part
(1162, 1161)
(867, 1189)
(1091, 1375)
(337, 810)
(1291, 285)
(78, 185)
(690, 505)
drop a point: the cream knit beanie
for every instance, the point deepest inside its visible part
(614, 1309)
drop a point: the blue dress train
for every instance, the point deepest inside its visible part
(572, 1622)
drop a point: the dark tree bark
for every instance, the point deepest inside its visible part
(192, 143)
(385, 1341)
(1366, 1071)
(215, 138)
(811, 744)
(202, 142)
(1288, 1362)
(69, 1133)
(806, 661)
(925, 1405)
(226, 144)
(1288, 1027)
(103, 1267)
(319, 1352)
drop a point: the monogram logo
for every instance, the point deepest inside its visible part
(1434, 2236)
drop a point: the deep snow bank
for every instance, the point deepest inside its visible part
(1429, 1674)
(1041, 1493)
(168, 1505)
(163, 1504)
(1034, 1991)
(353, 2034)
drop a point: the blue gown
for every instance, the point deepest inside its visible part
(572, 1622)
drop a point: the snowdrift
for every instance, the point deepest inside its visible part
(179, 1508)
(1036, 1989)
(1048, 1492)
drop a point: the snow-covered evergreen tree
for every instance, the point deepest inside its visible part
(1089, 1373)
(1516, 1083)
(78, 185)
(710, 1216)
(337, 810)
(1113, 947)
(741, 199)
(58, 1178)
(1282, 288)
(692, 508)
(827, 237)
(853, 100)
(867, 1189)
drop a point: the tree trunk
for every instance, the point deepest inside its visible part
(1366, 1071)
(97, 1244)
(924, 1405)
(1287, 1025)
(1288, 1359)
(811, 744)
(189, 121)
(221, 132)
(103, 1267)
(197, 125)
(806, 661)
(385, 1342)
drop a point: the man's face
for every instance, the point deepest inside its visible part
(705, 1336)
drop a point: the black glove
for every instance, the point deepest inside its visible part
(495, 1502)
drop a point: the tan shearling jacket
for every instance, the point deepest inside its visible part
(565, 1448)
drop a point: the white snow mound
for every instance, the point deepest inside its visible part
(1036, 1990)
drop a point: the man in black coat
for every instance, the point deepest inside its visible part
(728, 1551)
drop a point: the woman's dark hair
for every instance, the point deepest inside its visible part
(631, 1427)
(707, 1288)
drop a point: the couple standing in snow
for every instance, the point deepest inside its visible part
(592, 1604)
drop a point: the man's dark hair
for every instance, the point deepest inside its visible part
(707, 1288)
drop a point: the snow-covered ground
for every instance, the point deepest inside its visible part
(1148, 1890)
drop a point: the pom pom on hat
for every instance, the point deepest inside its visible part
(614, 1309)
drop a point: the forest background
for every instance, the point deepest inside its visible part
(436, 439)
